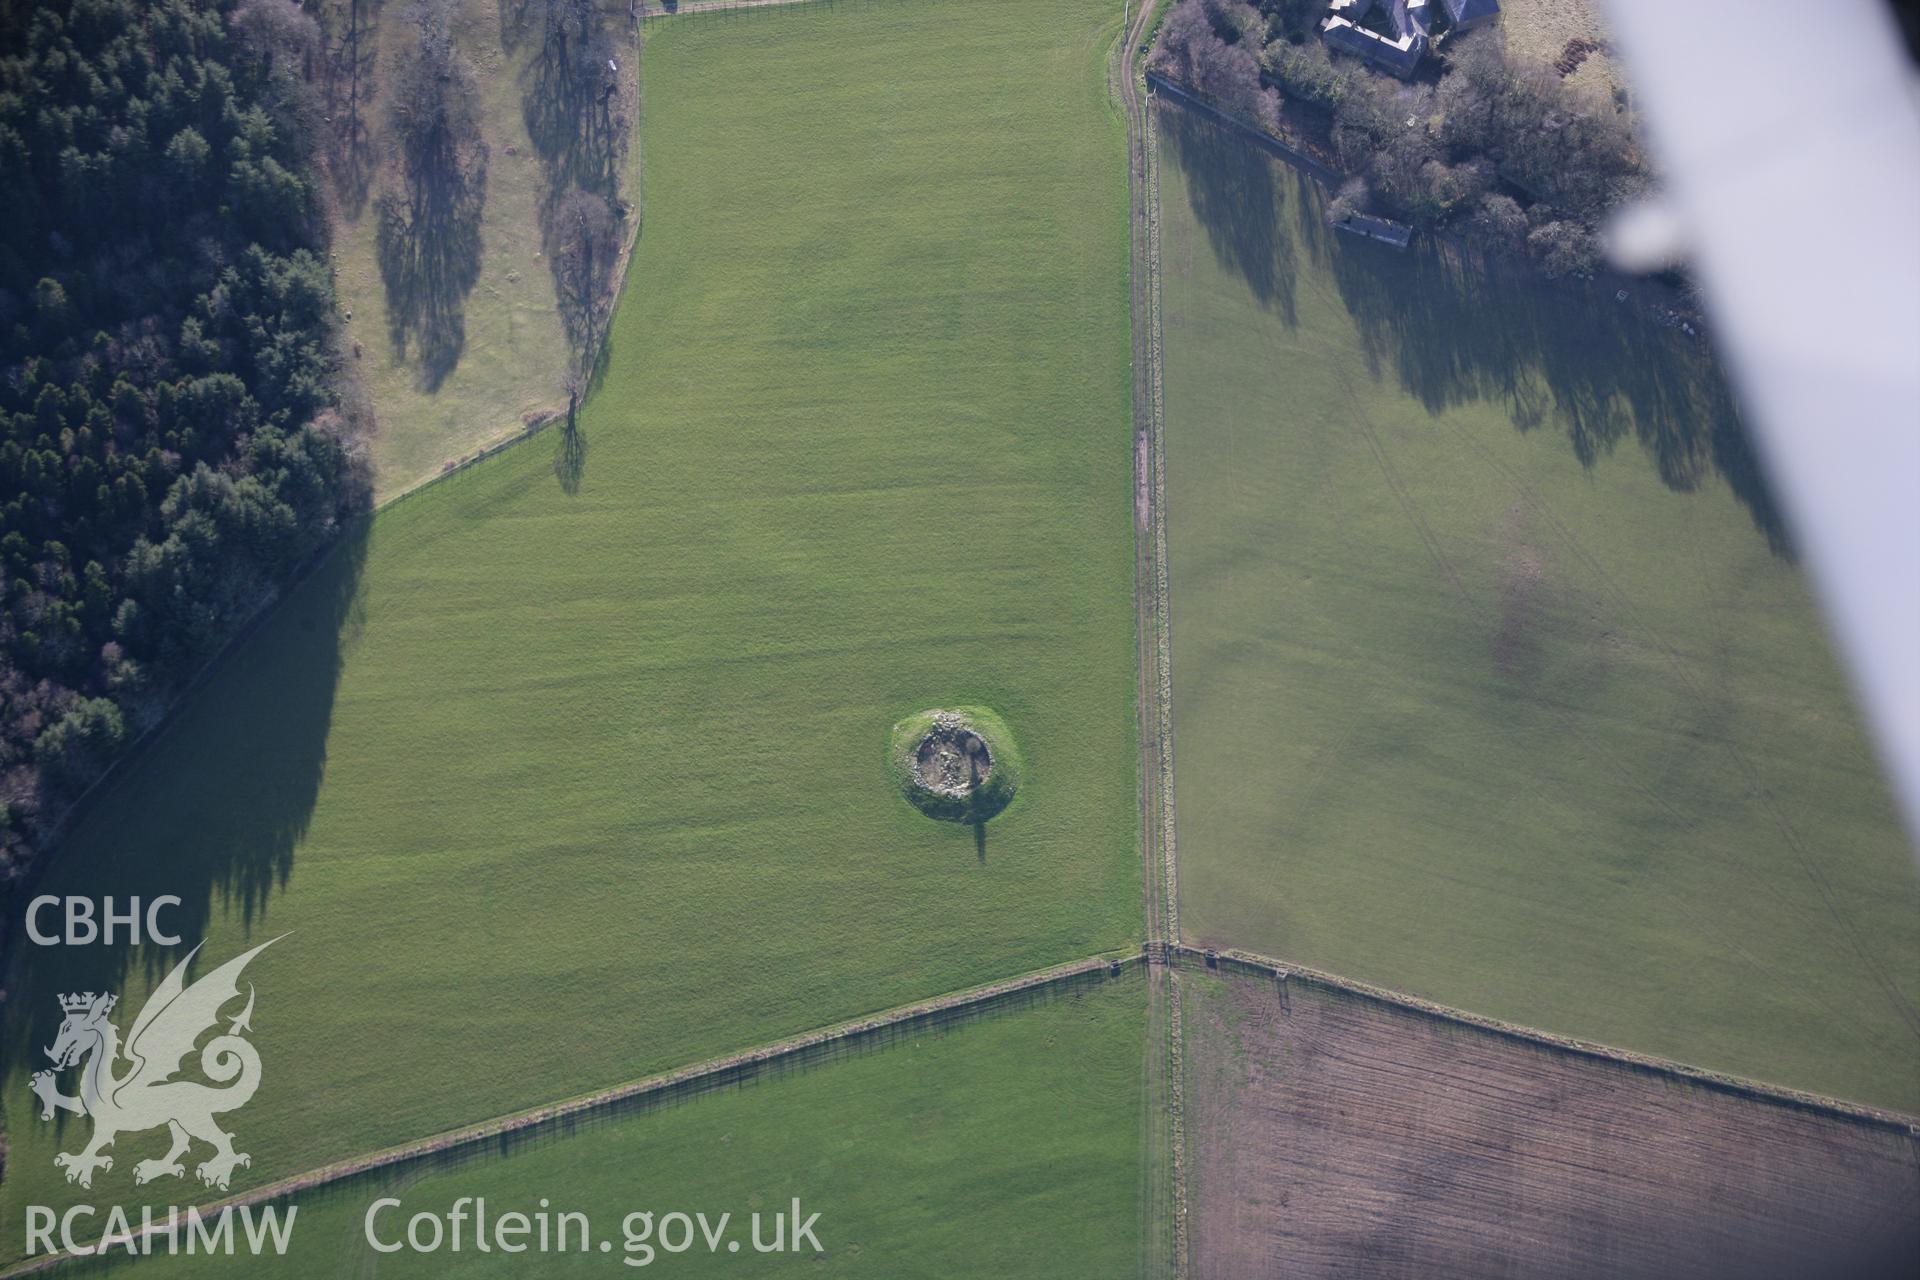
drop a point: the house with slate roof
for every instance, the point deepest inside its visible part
(1394, 34)
(1465, 15)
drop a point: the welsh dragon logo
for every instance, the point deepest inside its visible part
(147, 1096)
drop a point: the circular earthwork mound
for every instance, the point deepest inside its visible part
(957, 764)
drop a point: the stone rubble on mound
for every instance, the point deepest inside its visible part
(941, 762)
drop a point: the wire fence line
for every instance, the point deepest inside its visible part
(646, 10)
(1284, 973)
(504, 1135)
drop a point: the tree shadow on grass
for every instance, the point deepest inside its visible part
(212, 811)
(573, 112)
(570, 456)
(351, 164)
(1236, 193)
(1455, 326)
(349, 34)
(428, 245)
(427, 240)
(579, 123)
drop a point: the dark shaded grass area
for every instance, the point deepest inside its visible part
(1454, 326)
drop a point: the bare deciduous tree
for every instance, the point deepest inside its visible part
(1211, 45)
(1429, 151)
(272, 30)
(1349, 200)
(586, 246)
(433, 114)
(1565, 248)
(1500, 217)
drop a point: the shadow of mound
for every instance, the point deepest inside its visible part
(211, 811)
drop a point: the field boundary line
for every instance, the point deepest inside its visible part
(1159, 884)
(736, 1068)
(1722, 1082)
(647, 10)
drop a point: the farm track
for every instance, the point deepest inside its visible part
(1150, 536)
(1159, 884)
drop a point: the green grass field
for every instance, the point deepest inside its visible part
(555, 789)
(1487, 683)
(1008, 1147)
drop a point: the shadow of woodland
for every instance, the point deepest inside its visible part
(1455, 326)
(220, 834)
(1234, 195)
(428, 246)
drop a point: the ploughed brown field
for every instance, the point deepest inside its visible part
(1332, 1135)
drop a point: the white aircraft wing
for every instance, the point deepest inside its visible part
(1789, 137)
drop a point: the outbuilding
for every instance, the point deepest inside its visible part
(1385, 230)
